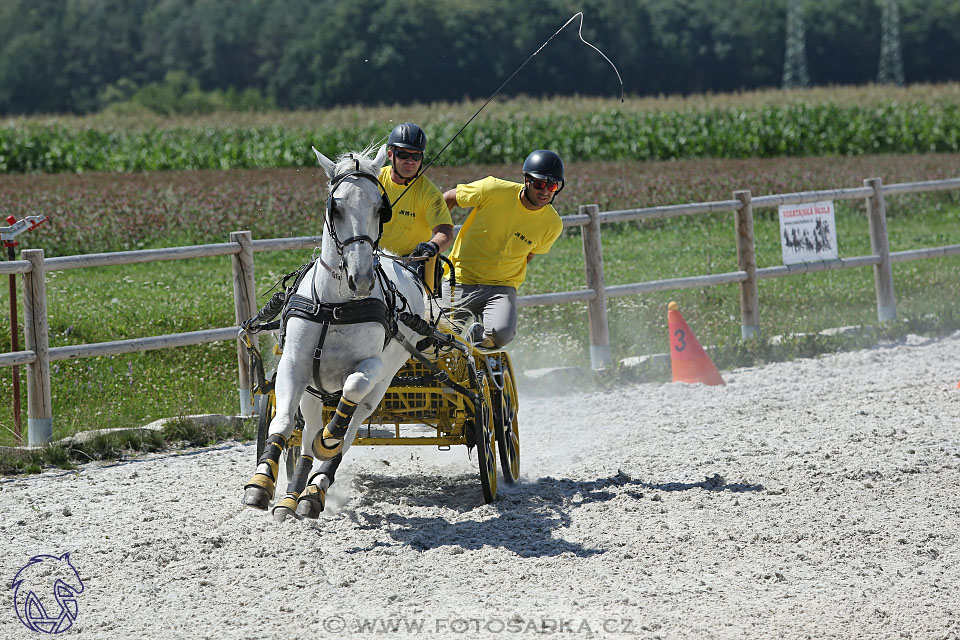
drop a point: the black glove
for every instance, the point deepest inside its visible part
(428, 249)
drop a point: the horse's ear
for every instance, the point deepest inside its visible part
(381, 157)
(328, 166)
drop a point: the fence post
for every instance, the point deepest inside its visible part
(37, 337)
(596, 308)
(245, 306)
(880, 246)
(747, 261)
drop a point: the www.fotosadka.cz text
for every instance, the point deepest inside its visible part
(494, 625)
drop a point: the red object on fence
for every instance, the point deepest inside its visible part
(7, 235)
(689, 361)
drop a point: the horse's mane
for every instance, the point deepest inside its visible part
(358, 160)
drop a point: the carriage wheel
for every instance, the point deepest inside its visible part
(486, 443)
(507, 428)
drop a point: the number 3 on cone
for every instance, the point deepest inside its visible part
(680, 340)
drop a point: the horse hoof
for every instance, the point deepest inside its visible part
(286, 508)
(322, 447)
(281, 513)
(311, 503)
(256, 497)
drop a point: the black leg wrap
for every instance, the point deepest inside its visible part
(329, 442)
(299, 479)
(312, 501)
(272, 451)
(259, 489)
(329, 467)
(341, 419)
(288, 506)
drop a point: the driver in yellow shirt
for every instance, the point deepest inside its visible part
(421, 224)
(509, 225)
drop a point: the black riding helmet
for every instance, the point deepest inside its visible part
(544, 164)
(408, 136)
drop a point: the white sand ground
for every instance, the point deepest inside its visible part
(813, 499)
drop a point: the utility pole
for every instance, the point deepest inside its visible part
(891, 58)
(795, 61)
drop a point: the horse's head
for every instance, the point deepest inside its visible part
(357, 207)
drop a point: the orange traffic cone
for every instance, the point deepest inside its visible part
(690, 362)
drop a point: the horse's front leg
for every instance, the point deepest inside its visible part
(293, 375)
(313, 498)
(312, 410)
(357, 385)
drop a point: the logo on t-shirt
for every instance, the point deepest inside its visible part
(404, 212)
(523, 237)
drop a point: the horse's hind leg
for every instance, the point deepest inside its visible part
(314, 498)
(307, 500)
(288, 506)
(312, 410)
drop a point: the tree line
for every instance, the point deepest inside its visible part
(83, 56)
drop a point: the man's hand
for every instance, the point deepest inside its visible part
(427, 249)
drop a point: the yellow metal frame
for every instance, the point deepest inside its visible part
(406, 408)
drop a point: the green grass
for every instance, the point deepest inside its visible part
(113, 303)
(116, 445)
(805, 303)
(118, 303)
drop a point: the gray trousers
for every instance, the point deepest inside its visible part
(494, 306)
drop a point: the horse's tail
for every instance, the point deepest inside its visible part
(456, 317)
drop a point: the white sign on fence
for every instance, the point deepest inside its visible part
(808, 232)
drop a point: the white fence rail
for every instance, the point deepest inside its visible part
(38, 354)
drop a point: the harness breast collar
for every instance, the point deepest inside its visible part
(340, 313)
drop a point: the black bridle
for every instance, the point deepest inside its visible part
(385, 213)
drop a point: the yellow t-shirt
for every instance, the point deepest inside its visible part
(415, 216)
(493, 244)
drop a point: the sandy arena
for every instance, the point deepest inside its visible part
(810, 499)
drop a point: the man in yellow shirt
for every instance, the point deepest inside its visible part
(509, 225)
(421, 224)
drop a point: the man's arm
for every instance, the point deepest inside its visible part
(450, 198)
(442, 236)
(530, 257)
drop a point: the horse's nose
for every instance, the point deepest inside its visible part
(360, 285)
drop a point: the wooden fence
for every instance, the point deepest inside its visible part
(38, 354)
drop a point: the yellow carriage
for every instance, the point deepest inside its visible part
(454, 393)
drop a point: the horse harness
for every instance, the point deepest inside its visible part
(353, 311)
(340, 313)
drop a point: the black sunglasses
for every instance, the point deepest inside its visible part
(406, 155)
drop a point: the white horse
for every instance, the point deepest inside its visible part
(355, 351)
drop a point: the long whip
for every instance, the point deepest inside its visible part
(578, 14)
